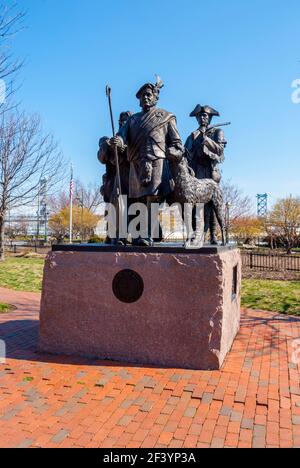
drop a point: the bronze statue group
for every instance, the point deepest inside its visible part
(147, 162)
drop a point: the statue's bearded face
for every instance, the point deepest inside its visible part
(203, 119)
(148, 99)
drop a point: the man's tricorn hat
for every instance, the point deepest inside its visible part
(154, 87)
(126, 114)
(207, 109)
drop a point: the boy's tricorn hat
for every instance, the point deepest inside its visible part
(157, 87)
(125, 114)
(207, 109)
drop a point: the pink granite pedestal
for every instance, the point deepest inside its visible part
(186, 312)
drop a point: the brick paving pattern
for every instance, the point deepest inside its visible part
(46, 401)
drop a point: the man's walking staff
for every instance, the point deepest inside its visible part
(119, 186)
(108, 94)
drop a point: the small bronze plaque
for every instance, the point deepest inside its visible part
(128, 286)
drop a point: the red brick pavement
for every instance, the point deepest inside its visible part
(46, 401)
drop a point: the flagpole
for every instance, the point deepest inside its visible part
(71, 206)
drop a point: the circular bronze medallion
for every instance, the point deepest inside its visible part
(128, 286)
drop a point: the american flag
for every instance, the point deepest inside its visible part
(72, 185)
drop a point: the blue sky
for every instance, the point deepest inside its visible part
(241, 57)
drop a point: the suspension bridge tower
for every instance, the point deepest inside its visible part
(262, 205)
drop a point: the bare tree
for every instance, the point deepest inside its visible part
(85, 196)
(19, 228)
(283, 222)
(27, 156)
(58, 201)
(239, 203)
(88, 197)
(11, 22)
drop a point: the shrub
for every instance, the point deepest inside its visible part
(96, 240)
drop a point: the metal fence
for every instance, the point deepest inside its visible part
(19, 247)
(271, 261)
(260, 261)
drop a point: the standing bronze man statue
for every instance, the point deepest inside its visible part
(205, 152)
(149, 135)
(106, 155)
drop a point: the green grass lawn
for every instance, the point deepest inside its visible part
(276, 296)
(4, 308)
(22, 274)
(25, 274)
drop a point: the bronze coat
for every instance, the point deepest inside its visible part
(205, 155)
(149, 136)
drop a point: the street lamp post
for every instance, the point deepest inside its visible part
(228, 205)
(82, 230)
(81, 201)
(46, 224)
(42, 206)
(38, 218)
